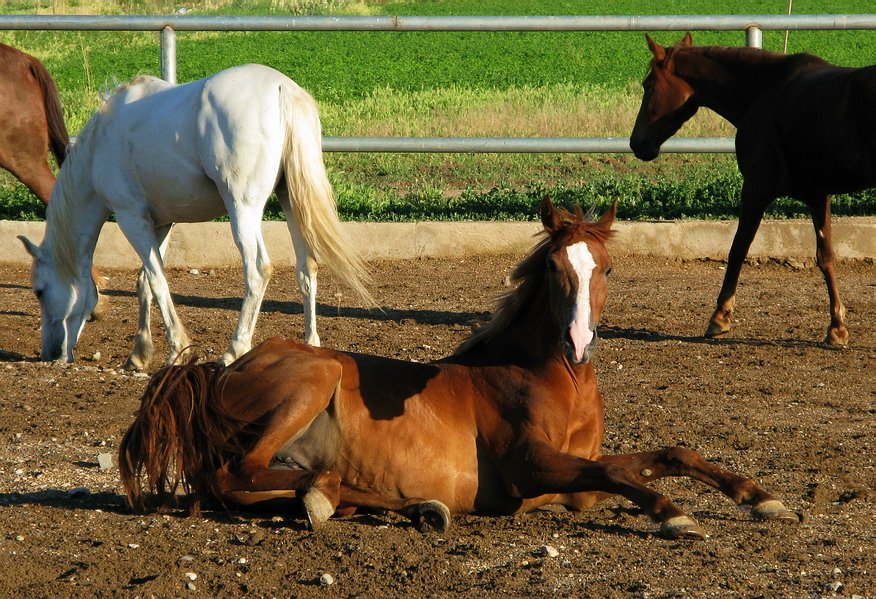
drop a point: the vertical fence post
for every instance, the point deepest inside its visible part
(753, 37)
(168, 54)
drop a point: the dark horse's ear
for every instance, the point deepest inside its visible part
(550, 218)
(657, 50)
(607, 220)
(686, 41)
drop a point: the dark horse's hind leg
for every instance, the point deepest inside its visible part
(751, 212)
(678, 461)
(819, 206)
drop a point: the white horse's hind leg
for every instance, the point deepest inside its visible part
(140, 358)
(246, 226)
(305, 270)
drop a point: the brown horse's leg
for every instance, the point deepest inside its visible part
(537, 468)
(751, 213)
(678, 461)
(819, 206)
(427, 515)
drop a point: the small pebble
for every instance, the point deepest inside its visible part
(19, 538)
(836, 571)
(326, 580)
(186, 558)
(834, 586)
(105, 460)
(133, 546)
(191, 576)
(194, 271)
(547, 550)
(95, 356)
(191, 586)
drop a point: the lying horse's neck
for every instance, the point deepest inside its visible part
(522, 332)
(731, 81)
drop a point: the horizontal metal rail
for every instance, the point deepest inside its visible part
(438, 23)
(547, 145)
(752, 25)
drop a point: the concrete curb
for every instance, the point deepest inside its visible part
(202, 245)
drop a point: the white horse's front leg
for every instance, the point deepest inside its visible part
(144, 349)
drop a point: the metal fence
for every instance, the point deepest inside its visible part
(751, 25)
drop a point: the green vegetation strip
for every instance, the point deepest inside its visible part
(516, 84)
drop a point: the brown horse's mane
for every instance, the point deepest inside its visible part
(529, 275)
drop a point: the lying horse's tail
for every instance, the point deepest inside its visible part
(59, 139)
(181, 436)
(310, 193)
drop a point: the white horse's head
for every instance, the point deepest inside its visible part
(65, 303)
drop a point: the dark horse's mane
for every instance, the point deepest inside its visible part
(529, 276)
(754, 60)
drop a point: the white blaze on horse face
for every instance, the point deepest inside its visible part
(580, 331)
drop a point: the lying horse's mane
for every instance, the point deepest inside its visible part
(529, 275)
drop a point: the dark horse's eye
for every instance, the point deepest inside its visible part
(38, 293)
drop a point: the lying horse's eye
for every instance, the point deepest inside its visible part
(608, 271)
(38, 293)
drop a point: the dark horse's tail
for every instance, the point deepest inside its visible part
(181, 436)
(59, 139)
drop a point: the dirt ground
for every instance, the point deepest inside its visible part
(768, 401)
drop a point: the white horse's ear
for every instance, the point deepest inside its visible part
(32, 248)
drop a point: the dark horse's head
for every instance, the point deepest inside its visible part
(666, 104)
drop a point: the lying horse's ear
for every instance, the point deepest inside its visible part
(686, 41)
(657, 50)
(32, 248)
(550, 218)
(607, 220)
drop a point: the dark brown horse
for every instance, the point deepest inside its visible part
(31, 124)
(511, 421)
(805, 129)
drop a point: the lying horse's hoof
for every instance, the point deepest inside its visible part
(317, 508)
(431, 516)
(773, 509)
(682, 527)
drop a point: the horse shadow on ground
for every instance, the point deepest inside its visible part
(290, 308)
(651, 336)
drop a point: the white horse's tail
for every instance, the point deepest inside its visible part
(310, 193)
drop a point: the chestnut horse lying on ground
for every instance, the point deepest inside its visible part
(805, 129)
(511, 421)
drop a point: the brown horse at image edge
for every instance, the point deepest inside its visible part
(805, 129)
(511, 421)
(31, 124)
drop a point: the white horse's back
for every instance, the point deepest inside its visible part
(158, 153)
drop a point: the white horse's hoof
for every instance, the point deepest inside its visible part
(773, 509)
(682, 527)
(317, 508)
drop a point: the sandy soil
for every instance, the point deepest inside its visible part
(769, 401)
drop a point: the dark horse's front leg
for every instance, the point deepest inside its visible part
(751, 213)
(537, 468)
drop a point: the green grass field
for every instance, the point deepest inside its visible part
(452, 84)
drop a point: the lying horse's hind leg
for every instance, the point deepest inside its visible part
(427, 515)
(678, 461)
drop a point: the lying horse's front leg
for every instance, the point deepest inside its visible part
(535, 468)
(678, 461)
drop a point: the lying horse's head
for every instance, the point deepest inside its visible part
(577, 267)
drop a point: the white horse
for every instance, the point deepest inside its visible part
(158, 154)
